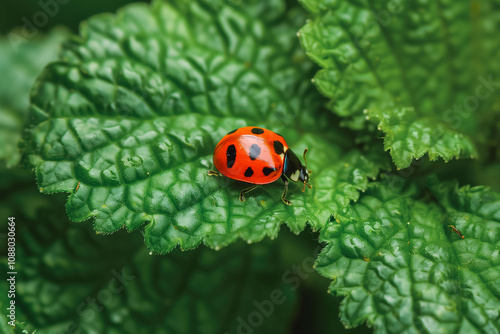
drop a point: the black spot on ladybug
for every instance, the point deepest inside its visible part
(231, 156)
(257, 131)
(232, 131)
(267, 170)
(249, 172)
(254, 152)
(278, 147)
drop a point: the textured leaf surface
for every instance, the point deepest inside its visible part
(383, 57)
(402, 269)
(408, 136)
(71, 279)
(19, 65)
(128, 119)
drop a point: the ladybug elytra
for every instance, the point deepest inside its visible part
(258, 156)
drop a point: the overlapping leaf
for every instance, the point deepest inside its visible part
(21, 62)
(380, 57)
(402, 269)
(409, 136)
(128, 119)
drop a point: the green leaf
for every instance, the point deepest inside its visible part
(402, 269)
(71, 279)
(434, 58)
(408, 136)
(24, 328)
(128, 119)
(22, 60)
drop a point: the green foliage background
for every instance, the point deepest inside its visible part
(402, 119)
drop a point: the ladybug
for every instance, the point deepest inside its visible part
(258, 156)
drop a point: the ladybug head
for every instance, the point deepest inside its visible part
(294, 169)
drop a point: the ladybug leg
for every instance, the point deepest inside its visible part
(287, 202)
(212, 173)
(244, 191)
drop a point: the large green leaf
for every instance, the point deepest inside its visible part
(19, 65)
(402, 269)
(128, 119)
(70, 279)
(434, 60)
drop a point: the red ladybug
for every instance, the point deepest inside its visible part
(258, 156)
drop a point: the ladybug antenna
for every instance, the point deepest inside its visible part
(305, 161)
